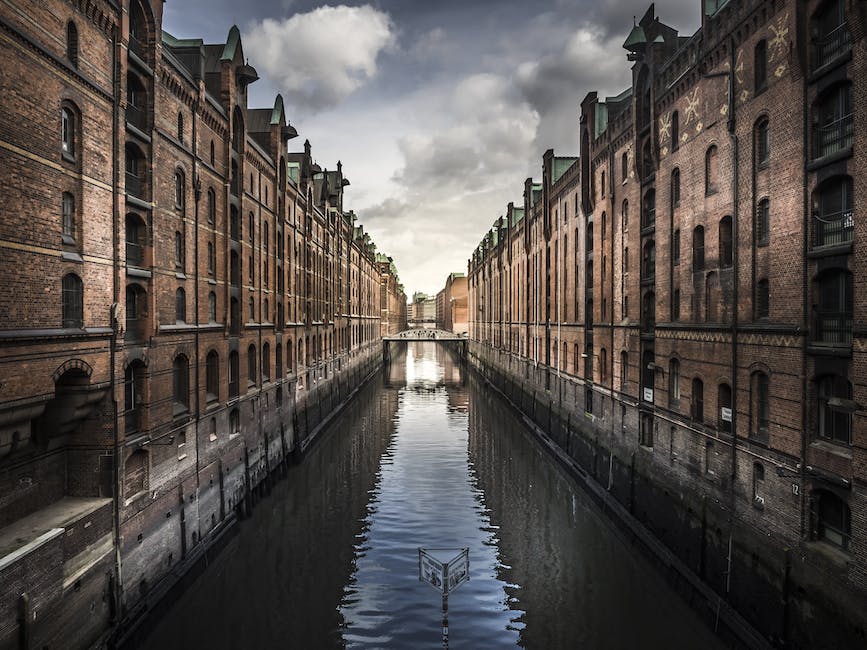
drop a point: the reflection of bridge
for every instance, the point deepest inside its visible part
(455, 343)
(424, 335)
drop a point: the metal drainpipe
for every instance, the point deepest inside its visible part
(734, 329)
(197, 192)
(805, 292)
(113, 316)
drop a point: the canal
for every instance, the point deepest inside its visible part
(427, 457)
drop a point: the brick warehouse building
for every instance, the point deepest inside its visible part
(183, 301)
(680, 307)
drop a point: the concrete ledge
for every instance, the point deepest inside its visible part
(27, 549)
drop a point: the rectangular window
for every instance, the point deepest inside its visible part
(68, 215)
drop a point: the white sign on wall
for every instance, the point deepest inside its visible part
(726, 414)
(648, 395)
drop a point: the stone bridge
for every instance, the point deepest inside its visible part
(420, 334)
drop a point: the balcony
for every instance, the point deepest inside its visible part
(132, 421)
(135, 185)
(833, 229)
(134, 254)
(648, 218)
(137, 117)
(832, 328)
(135, 330)
(830, 47)
(834, 137)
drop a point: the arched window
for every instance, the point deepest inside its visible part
(675, 187)
(234, 269)
(179, 251)
(763, 299)
(180, 189)
(674, 382)
(725, 242)
(648, 260)
(833, 221)
(602, 184)
(72, 301)
(234, 317)
(300, 356)
(763, 142)
(212, 376)
(234, 374)
(135, 240)
(834, 308)
(213, 157)
(832, 121)
(72, 43)
(698, 248)
(603, 365)
(266, 311)
(624, 166)
(278, 360)
(181, 384)
(763, 222)
(760, 65)
(830, 37)
(724, 407)
(68, 210)
(624, 213)
(696, 405)
(589, 238)
(133, 385)
(68, 129)
(648, 311)
(181, 128)
(251, 316)
(211, 259)
(710, 170)
(675, 248)
(675, 131)
(251, 365)
(136, 177)
(180, 305)
(834, 411)
(212, 307)
(212, 204)
(266, 361)
(759, 405)
(648, 214)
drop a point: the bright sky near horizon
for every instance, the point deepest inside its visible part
(438, 110)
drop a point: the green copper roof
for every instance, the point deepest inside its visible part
(231, 44)
(517, 215)
(560, 166)
(636, 38)
(601, 121)
(171, 41)
(293, 169)
(278, 110)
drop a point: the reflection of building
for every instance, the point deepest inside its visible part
(392, 300)
(174, 279)
(698, 265)
(424, 310)
(452, 304)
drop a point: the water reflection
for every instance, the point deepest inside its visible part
(426, 458)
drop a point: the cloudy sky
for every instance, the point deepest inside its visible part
(438, 110)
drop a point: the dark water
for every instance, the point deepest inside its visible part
(330, 558)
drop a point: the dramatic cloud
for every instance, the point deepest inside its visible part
(320, 57)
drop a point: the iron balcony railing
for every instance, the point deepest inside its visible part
(136, 116)
(132, 421)
(833, 228)
(834, 136)
(648, 218)
(134, 254)
(833, 328)
(830, 46)
(135, 185)
(135, 329)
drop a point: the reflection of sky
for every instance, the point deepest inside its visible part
(426, 496)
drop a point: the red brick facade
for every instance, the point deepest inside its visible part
(688, 292)
(183, 299)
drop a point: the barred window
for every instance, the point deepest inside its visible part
(68, 215)
(72, 301)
